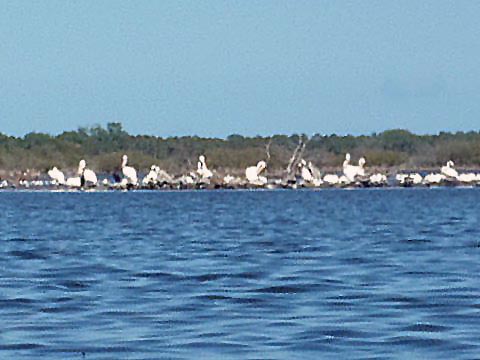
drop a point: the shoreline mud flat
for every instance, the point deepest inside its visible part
(298, 175)
(222, 187)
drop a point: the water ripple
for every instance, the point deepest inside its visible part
(246, 275)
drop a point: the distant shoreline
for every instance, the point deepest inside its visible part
(391, 151)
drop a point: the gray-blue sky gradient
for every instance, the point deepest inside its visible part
(213, 68)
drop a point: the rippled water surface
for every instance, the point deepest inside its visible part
(247, 275)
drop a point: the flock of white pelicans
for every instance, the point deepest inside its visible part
(307, 175)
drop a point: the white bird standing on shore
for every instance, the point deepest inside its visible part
(129, 172)
(346, 162)
(157, 176)
(449, 171)
(305, 172)
(76, 181)
(152, 177)
(352, 171)
(57, 176)
(89, 176)
(315, 171)
(310, 174)
(252, 173)
(202, 168)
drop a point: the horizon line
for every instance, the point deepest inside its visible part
(311, 135)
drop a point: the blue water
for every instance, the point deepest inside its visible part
(246, 275)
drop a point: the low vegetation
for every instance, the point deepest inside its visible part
(103, 147)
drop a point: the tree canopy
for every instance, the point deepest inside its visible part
(103, 147)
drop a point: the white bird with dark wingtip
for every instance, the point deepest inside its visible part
(129, 172)
(151, 177)
(409, 179)
(305, 172)
(310, 174)
(89, 176)
(315, 171)
(378, 179)
(401, 178)
(186, 180)
(157, 176)
(202, 168)
(253, 176)
(416, 178)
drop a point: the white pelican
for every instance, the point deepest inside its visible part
(202, 168)
(315, 171)
(343, 180)
(57, 176)
(74, 182)
(163, 176)
(409, 179)
(89, 176)
(416, 178)
(449, 171)
(232, 180)
(378, 179)
(129, 172)
(228, 179)
(305, 171)
(361, 164)
(401, 178)
(186, 180)
(346, 162)
(310, 174)
(151, 177)
(467, 178)
(433, 179)
(352, 171)
(331, 179)
(252, 174)
(156, 176)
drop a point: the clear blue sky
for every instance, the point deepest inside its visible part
(213, 68)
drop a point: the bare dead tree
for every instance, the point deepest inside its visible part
(267, 149)
(297, 155)
(302, 150)
(189, 162)
(294, 155)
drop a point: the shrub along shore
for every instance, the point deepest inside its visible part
(387, 152)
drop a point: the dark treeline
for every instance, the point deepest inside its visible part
(103, 147)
